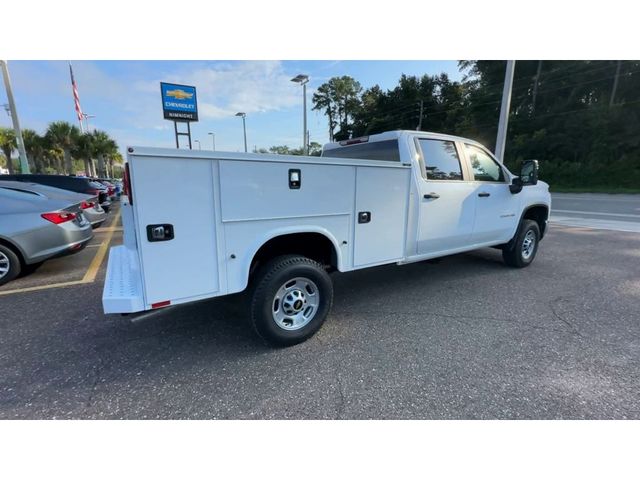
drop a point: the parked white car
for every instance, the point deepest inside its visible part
(282, 223)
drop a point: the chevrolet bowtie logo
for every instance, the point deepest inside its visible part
(179, 94)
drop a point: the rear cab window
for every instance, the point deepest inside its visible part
(387, 150)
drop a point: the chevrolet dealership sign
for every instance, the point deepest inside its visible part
(179, 102)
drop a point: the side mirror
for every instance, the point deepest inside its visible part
(528, 176)
(529, 172)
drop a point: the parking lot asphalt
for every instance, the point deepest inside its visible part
(462, 338)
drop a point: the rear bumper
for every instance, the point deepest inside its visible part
(53, 241)
(122, 291)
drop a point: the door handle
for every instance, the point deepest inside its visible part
(431, 195)
(484, 194)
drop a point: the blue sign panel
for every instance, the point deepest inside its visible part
(179, 102)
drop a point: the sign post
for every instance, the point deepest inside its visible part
(180, 104)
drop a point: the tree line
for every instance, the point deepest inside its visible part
(62, 149)
(581, 119)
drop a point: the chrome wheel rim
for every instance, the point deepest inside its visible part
(295, 303)
(529, 244)
(5, 265)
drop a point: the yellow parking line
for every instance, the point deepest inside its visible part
(43, 287)
(108, 229)
(89, 276)
(92, 271)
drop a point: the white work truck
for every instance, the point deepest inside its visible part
(203, 224)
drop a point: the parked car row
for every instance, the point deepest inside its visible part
(83, 185)
(47, 216)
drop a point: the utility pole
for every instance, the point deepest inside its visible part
(504, 111)
(24, 164)
(213, 140)
(535, 87)
(419, 127)
(615, 84)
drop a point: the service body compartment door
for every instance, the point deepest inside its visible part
(380, 215)
(176, 227)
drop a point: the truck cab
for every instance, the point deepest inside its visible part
(461, 196)
(282, 224)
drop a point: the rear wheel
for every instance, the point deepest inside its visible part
(525, 245)
(9, 265)
(292, 297)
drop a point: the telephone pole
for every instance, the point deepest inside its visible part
(504, 111)
(535, 87)
(24, 164)
(615, 84)
(419, 127)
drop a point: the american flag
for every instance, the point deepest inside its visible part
(76, 97)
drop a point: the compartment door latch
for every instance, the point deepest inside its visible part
(160, 232)
(364, 217)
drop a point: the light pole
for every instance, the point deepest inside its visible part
(303, 80)
(24, 164)
(213, 140)
(199, 146)
(244, 128)
(86, 117)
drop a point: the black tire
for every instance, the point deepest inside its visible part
(8, 258)
(515, 254)
(267, 283)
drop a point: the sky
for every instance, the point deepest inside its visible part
(124, 96)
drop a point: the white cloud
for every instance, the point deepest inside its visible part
(226, 88)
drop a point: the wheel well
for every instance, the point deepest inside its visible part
(14, 249)
(539, 214)
(311, 245)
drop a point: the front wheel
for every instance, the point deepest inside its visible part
(525, 245)
(9, 265)
(292, 297)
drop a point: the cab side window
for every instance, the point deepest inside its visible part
(441, 160)
(484, 168)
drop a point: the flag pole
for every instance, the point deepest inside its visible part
(76, 99)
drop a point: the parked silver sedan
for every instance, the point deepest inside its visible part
(89, 204)
(34, 228)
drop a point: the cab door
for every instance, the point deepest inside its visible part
(446, 197)
(496, 206)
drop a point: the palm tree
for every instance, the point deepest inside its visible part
(8, 145)
(84, 149)
(55, 156)
(105, 148)
(63, 135)
(35, 146)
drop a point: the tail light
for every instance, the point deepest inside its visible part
(126, 185)
(85, 205)
(58, 217)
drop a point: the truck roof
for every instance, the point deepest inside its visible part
(393, 135)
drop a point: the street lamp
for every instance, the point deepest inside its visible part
(303, 80)
(244, 128)
(199, 146)
(213, 140)
(86, 117)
